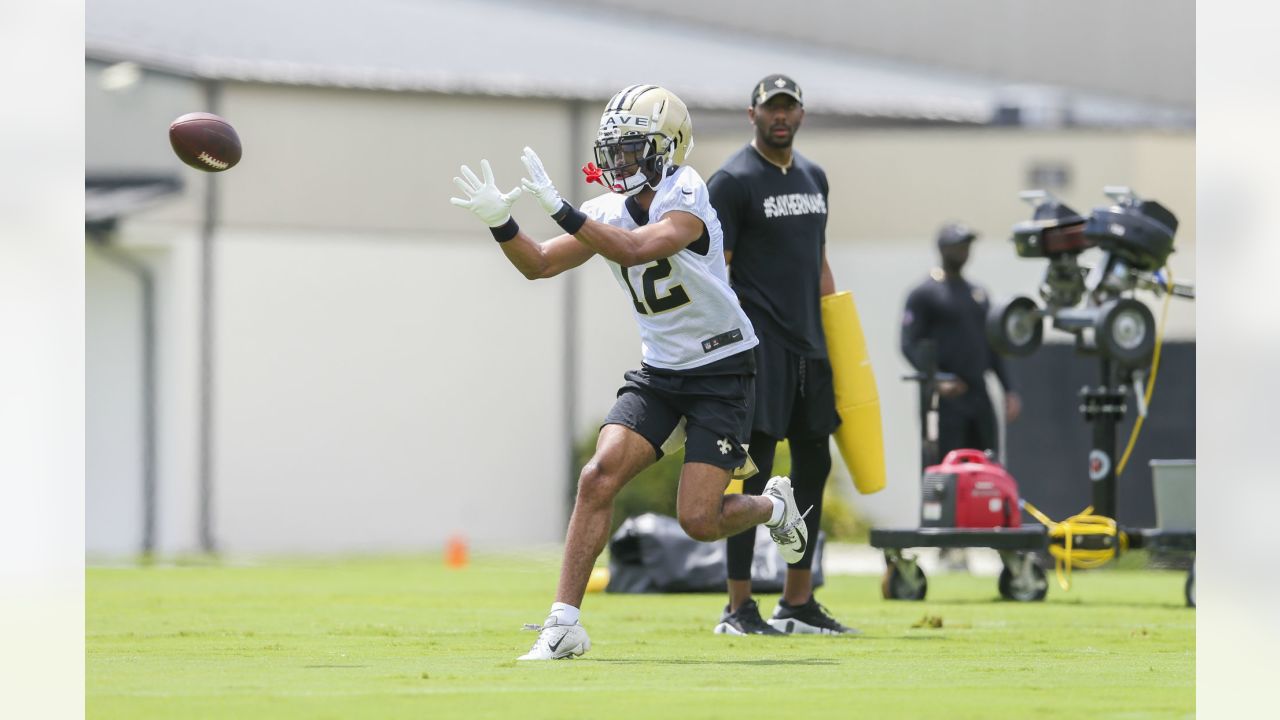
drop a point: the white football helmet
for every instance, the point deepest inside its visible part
(644, 131)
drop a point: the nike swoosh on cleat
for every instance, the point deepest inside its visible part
(804, 544)
(553, 648)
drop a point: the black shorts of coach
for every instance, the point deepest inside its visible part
(715, 401)
(795, 395)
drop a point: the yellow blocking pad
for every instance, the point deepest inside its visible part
(860, 436)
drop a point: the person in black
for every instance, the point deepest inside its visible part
(772, 204)
(952, 312)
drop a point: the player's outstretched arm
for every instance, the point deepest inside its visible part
(668, 236)
(493, 207)
(543, 260)
(673, 233)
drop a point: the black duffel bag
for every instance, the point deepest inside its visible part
(651, 553)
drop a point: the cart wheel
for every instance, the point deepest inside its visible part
(1015, 326)
(1126, 332)
(1030, 588)
(1191, 586)
(903, 584)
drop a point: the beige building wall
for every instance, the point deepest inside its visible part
(385, 378)
(896, 187)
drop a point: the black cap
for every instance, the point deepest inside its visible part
(954, 234)
(773, 85)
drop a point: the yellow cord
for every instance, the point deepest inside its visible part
(1155, 368)
(1066, 555)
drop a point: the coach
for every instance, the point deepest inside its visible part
(772, 204)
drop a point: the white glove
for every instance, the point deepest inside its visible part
(540, 186)
(483, 197)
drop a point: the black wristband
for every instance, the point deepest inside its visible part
(505, 231)
(569, 218)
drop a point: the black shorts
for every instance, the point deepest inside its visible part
(716, 408)
(795, 395)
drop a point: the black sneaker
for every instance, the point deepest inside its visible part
(746, 621)
(808, 619)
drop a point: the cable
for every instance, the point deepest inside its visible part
(1085, 528)
(1155, 369)
(1100, 532)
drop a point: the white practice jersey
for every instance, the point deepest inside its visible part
(688, 314)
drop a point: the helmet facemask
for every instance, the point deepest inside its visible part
(633, 161)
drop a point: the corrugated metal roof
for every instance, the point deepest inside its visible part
(501, 48)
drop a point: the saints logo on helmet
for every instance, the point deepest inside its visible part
(644, 131)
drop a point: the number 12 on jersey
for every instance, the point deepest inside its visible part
(653, 304)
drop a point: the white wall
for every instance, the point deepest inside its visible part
(113, 393)
(113, 415)
(383, 392)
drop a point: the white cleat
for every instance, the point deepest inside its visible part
(556, 642)
(791, 534)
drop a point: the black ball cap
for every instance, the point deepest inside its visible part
(954, 234)
(776, 84)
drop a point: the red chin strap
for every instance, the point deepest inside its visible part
(593, 173)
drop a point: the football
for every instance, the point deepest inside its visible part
(205, 142)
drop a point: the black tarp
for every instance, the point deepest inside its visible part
(650, 553)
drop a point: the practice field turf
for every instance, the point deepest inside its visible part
(407, 637)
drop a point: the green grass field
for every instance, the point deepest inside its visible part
(407, 637)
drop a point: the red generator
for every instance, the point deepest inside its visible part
(969, 490)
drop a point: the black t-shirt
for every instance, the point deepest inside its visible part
(775, 223)
(953, 313)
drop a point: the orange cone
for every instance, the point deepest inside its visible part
(455, 551)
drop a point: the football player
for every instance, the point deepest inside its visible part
(662, 242)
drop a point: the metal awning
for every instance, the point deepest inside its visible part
(110, 197)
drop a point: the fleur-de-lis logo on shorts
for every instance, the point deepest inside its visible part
(725, 446)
